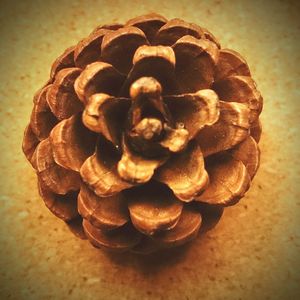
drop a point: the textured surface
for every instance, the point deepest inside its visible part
(254, 250)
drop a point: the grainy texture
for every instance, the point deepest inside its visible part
(253, 253)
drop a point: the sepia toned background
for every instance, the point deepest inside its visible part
(253, 253)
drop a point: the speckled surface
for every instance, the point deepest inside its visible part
(253, 253)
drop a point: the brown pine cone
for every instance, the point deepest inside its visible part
(144, 132)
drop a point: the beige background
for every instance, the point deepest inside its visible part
(254, 251)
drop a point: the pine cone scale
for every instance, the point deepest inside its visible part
(30, 142)
(105, 213)
(107, 115)
(249, 154)
(65, 60)
(118, 47)
(194, 111)
(149, 24)
(175, 29)
(231, 128)
(195, 63)
(240, 89)
(62, 206)
(255, 130)
(120, 240)
(42, 119)
(56, 178)
(149, 61)
(61, 96)
(185, 230)
(72, 143)
(98, 77)
(100, 172)
(87, 50)
(153, 208)
(229, 180)
(184, 173)
(230, 63)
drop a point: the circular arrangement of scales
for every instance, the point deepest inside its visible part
(144, 133)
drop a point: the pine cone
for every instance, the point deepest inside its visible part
(143, 133)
